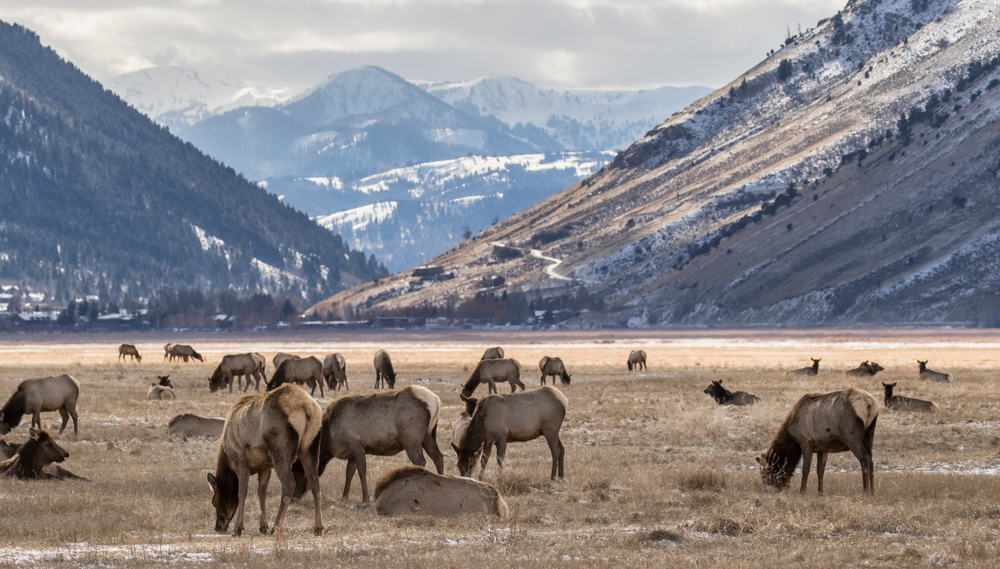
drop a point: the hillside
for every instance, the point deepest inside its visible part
(848, 178)
(97, 199)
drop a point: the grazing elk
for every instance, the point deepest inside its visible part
(184, 352)
(304, 371)
(335, 371)
(265, 431)
(234, 365)
(166, 351)
(189, 425)
(931, 374)
(384, 373)
(280, 357)
(866, 369)
(492, 354)
(415, 490)
(811, 370)
(128, 350)
(33, 396)
(518, 417)
(493, 372)
(723, 396)
(822, 423)
(36, 459)
(164, 390)
(900, 403)
(637, 360)
(553, 367)
(381, 424)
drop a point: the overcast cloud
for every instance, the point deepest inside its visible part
(551, 43)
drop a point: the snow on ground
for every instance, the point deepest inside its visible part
(360, 217)
(208, 242)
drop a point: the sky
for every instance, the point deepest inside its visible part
(295, 44)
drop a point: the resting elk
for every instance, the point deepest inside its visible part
(415, 490)
(723, 396)
(931, 374)
(36, 459)
(553, 367)
(33, 396)
(492, 372)
(189, 425)
(821, 424)
(637, 360)
(163, 390)
(866, 369)
(900, 403)
(128, 350)
(811, 370)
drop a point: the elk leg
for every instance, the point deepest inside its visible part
(72, 413)
(517, 381)
(283, 466)
(263, 477)
(562, 457)
(320, 382)
(542, 380)
(351, 468)
(359, 459)
(555, 447)
(65, 418)
(308, 460)
(415, 453)
(243, 478)
(501, 453)
(485, 459)
(493, 387)
(431, 446)
(807, 456)
(36, 419)
(820, 468)
(862, 451)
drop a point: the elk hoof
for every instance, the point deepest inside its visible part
(263, 529)
(238, 532)
(318, 531)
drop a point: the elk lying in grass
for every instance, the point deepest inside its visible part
(553, 367)
(415, 490)
(234, 365)
(335, 371)
(493, 354)
(163, 390)
(866, 369)
(33, 396)
(931, 374)
(303, 371)
(637, 360)
(822, 423)
(723, 396)
(900, 403)
(189, 425)
(265, 431)
(493, 372)
(811, 370)
(384, 373)
(128, 350)
(36, 459)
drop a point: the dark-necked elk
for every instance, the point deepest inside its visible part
(492, 354)
(553, 367)
(304, 371)
(723, 396)
(900, 403)
(234, 366)
(931, 374)
(128, 350)
(637, 360)
(184, 352)
(811, 370)
(163, 390)
(36, 459)
(384, 373)
(335, 371)
(415, 490)
(381, 424)
(33, 396)
(822, 423)
(189, 425)
(517, 417)
(265, 431)
(492, 372)
(866, 369)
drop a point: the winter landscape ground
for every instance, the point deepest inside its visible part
(656, 472)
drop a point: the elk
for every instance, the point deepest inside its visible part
(184, 352)
(415, 490)
(166, 351)
(931, 374)
(264, 431)
(189, 425)
(384, 373)
(128, 350)
(492, 372)
(33, 396)
(36, 459)
(723, 396)
(811, 370)
(553, 367)
(335, 371)
(304, 371)
(492, 354)
(900, 403)
(164, 390)
(637, 360)
(866, 369)
(280, 357)
(234, 365)
(822, 423)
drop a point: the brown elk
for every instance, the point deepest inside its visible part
(33, 396)
(384, 373)
(280, 357)
(492, 354)
(866, 369)
(415, 490)
(265, 431)
(931, 374)
(637, 360)
(128, 350)
(166, 351)
(811, 370)
(900, 403)
(553, 367)
(493, 372)
(517, 417)
(184, 352)
(381, 424)
(335, 371)
(163, 390)
(189, 425)
(36, 459)
(304, 371)
(723, 396)
(822, 423)
(234, 365)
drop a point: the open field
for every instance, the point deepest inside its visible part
(656, 472)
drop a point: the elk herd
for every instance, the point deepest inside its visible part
(283, 429)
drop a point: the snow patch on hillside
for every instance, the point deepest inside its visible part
(358, 218)
(208, 242)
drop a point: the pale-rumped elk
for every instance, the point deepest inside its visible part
(900, 403)
(415, 490)
(723, 396)
(261, 370)
(811, 370)
(184, 352)
(234, 365)
(303, 371)
(866, 369)
(931, 374)
(380, 424)
(637, 360)
(166, 351)
(822, 423)
(262, 363)
(280, 357)
(492, 354)
(36, 459)
(164, 390)
(189, 425)
(335, 371)
(384, 373)
(128, 350)
(553, 367)
(517, 417)
(492, 372)
(33, 396)
(265, 431)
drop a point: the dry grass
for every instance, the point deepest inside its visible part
(655, 470)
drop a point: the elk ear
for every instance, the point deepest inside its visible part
(760, 461)
(453, 445)
(1, 416)
(34, 433)
(211, 481)
(463, 397)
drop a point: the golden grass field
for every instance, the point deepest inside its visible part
(656, 473)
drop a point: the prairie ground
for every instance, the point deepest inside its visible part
(656, 472)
